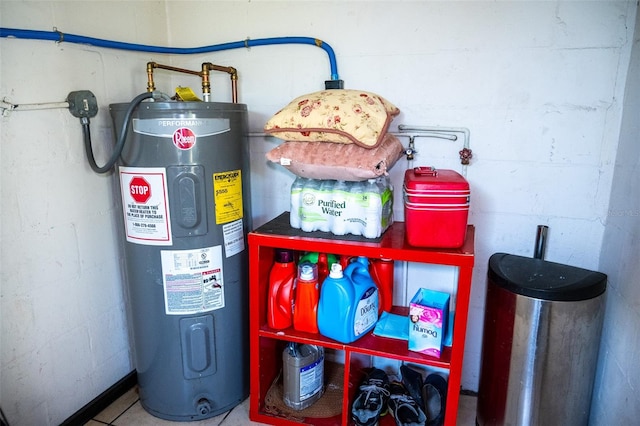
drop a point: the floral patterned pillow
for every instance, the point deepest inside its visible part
(337, 115)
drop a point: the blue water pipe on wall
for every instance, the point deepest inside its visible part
(60, 37)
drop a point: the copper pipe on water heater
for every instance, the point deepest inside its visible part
(233, 73)
(152, 65)
(204, 74)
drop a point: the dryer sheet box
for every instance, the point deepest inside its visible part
(428, 318)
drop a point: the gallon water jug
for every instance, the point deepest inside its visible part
(281, 278)
(305, 308)
(303, 375)
(348, 305)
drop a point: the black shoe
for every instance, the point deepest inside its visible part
(371, 402)
(412, 381)
(404, 408)
(434, 393)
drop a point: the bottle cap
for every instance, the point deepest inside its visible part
(336, 271)
(284, 256)
(307, 272)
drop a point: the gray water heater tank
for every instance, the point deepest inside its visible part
(183, 188)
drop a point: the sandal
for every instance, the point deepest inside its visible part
(434, 394)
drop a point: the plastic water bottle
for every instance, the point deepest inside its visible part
(308, 201)
(386, 194)
(373, 227)
(325, 221)
(341, 194)
(296, 198)
(358, 197)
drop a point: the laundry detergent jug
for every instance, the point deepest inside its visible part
(348, 306)
(305, 307)
(281, 279)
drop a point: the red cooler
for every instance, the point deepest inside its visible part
(436, 207)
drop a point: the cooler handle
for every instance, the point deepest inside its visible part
(425, 171)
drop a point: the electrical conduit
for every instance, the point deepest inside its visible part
(60, 37)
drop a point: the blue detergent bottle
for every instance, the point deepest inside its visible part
(348, 306)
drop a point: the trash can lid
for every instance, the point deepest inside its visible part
(545, 280)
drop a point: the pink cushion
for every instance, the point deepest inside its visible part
(321, 160)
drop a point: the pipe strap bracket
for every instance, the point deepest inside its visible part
(60, 35)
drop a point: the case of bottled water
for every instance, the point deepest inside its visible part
(342, 207)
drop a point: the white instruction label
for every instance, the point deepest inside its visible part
(233, 237)
(193, 280)
(311, 379)
(145, 205)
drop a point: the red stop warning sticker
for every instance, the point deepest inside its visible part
(145, 205)
(184, 138)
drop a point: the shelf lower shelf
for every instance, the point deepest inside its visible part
(368, 344)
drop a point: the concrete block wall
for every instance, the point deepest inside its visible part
(539, 84)
(616, 399)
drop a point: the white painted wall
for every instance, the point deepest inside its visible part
(539, 84)
(616, 398)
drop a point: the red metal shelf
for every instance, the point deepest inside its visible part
(267, 344)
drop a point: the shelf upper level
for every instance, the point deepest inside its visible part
(391, 244)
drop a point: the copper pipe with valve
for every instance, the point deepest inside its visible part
(207, 67)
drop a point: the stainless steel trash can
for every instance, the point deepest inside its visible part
(542, 329)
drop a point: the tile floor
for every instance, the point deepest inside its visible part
(127, 411)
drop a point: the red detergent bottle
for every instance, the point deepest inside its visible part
(307, 294)
(382, 273)
(281, 280)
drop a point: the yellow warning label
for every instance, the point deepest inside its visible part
(227, 195)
